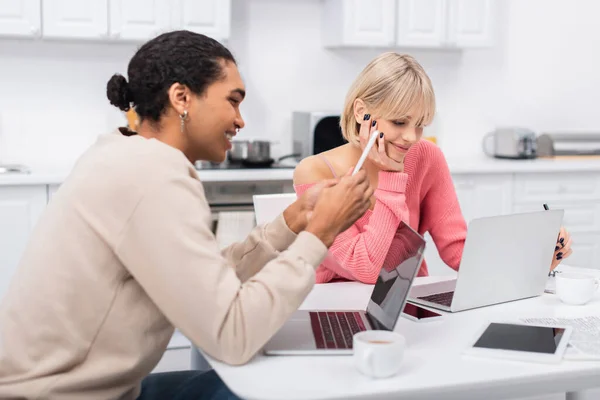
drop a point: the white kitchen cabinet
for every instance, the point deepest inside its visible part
(20, 209)
(483, 195)
(359, 23)
(479, 195)
(208, 17)
(139, 20)
(79, 19)
(20, 18)
(470, 23)
(409, 23)
(421, 23)
(51, 191)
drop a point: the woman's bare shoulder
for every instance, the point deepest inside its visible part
(311, 169)
(316, 168)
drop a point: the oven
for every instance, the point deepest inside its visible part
(231, 203)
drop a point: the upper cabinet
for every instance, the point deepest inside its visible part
(115, 20)
(75, 19)
(362, 23)
(421, 23)
(138, 19)
(20, 18)
(209, 17)
(470, 23)
(409, 23)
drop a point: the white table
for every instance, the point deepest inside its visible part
(434, 367)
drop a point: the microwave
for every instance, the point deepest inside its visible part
(314, 132)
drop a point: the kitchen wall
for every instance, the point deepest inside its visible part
(541, 74)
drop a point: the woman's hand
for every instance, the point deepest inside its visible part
(339, 206)
(377, 154)
(562, 249)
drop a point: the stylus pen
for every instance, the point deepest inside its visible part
(365, 152)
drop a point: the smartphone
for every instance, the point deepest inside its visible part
(420, 314)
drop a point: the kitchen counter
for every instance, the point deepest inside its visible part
(487, 165)
(55, 177)
(457, 165)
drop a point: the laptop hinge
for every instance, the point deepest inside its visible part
(376, 325)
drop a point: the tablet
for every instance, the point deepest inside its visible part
(521, 342)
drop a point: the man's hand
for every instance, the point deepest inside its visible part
(298, 213)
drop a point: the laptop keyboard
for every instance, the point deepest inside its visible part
(334, 329)
(444, 299)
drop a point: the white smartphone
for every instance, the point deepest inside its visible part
(420, 314)
(365, 152)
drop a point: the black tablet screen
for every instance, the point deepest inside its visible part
(536, 339)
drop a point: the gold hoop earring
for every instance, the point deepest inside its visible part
(182, 118)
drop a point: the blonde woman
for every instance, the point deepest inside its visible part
(394, 95)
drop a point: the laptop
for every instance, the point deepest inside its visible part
(505, 258)
(317, 332)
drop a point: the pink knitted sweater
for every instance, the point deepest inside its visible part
(423, 196)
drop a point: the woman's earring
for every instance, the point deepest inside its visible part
(183, 117)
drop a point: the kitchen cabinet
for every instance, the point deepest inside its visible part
(421, 23)
(113, 20)
(208, 17)
(70, 19)
(470, 23)
(409, 23)
(359, 23)
(51, 191)
(20, 209)
(484, 195)
(578, 194)
(20, 18)
(479, 195)
(139, 19)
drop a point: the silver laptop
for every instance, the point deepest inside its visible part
(330, 332)
(505, 258)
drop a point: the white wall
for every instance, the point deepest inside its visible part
(542, 74)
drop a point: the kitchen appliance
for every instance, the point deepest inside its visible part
(314, 132)
(237, 196)
(511, 143)
(256, 151)
(568, 144)
(253, 153)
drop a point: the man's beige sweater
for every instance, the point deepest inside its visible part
(123, 253)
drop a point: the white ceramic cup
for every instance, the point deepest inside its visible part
(378, 354)
(575, 288)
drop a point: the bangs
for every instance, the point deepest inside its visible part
(407, 97)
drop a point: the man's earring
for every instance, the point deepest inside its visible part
(183, 117)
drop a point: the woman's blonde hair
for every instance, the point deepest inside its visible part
(392, 86)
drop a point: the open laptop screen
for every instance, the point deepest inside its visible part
(394, 282)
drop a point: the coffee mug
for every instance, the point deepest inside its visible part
(378, 354)
(575, 288)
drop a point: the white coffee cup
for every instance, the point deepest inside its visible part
(378, 354)
(575, 288)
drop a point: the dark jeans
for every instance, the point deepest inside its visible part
(185, 385)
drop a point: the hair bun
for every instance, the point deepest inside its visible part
(117, 91)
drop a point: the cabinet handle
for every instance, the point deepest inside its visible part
(466, 184)
(562, 189)
(35, 30)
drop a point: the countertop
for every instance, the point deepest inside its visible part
(457, 165)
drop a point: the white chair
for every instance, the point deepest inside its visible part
(268, 206)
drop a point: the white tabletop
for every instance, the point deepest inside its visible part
(433, 366)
